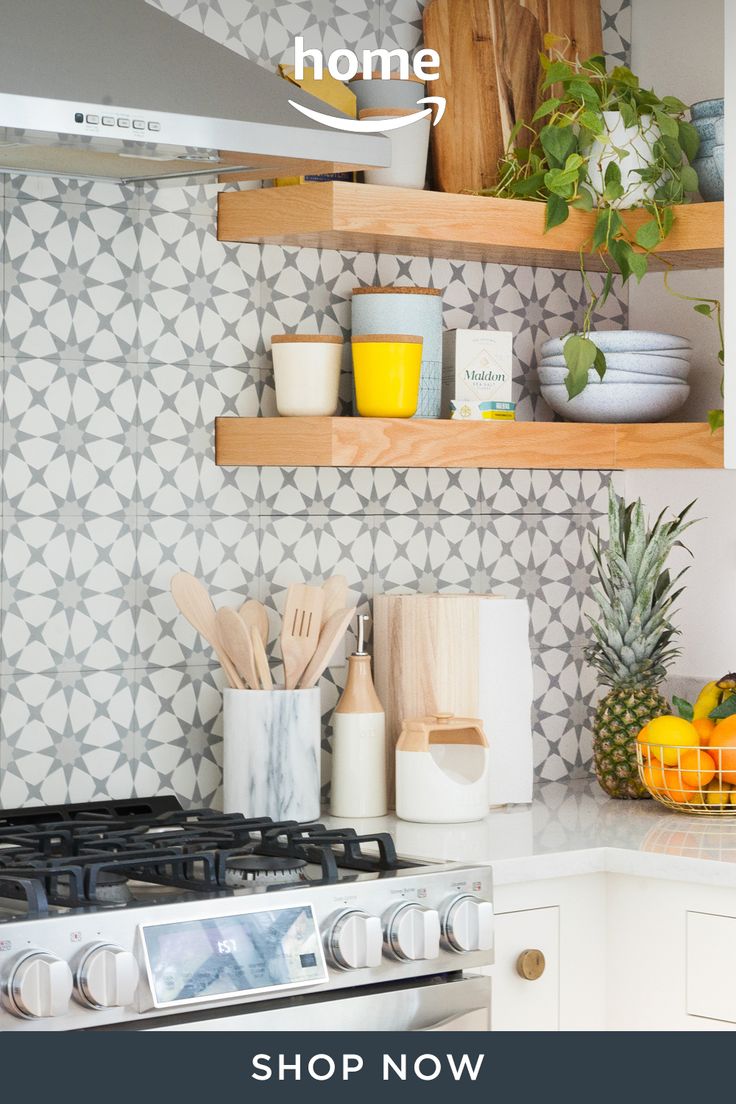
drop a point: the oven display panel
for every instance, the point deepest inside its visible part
(226, 956)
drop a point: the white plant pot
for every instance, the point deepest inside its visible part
(638, 141)
(271, 753)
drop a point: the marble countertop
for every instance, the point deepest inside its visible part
(574, 828)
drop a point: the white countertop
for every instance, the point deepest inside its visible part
(574, 828)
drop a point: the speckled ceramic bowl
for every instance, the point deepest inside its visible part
(619, 402)
(549, 374)
(624, 341)
(635, 364)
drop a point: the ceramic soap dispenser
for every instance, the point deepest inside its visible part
(359, 741)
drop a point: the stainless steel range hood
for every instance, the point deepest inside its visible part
(117, 90)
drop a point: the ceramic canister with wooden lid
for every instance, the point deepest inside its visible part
(372, 90)
(306, 370)
(416, 310)
(409, 148)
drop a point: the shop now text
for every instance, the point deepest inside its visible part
(394, 1067)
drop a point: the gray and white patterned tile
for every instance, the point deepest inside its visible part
(66, 737)
(426, 491)
(69, 436)
(523, 491)
(616, 16)
(85, 193)
(198, 295)
(222, 552)
(178, 720)
(71, 281)
(177, 405)
(294, 491)
(565, 692)
(69, 594)
(426, 554)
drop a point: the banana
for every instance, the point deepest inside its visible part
(712, 694)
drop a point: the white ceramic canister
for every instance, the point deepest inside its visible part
(638, 141)
(442, 770)
(370, 90)
(409, 149)
(407, 310)
(306, 370)
(271, 753)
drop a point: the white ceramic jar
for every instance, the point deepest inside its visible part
(306, 371)
(409, 149)
(639, 142)
(372, 91)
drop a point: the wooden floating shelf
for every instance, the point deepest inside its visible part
(373, 219)
(415, 443)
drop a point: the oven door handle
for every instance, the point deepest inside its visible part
(475, 1019)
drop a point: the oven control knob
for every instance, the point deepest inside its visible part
(107, 977)
(467, 924)
(356, 940)
(412, 932)
(38, 985)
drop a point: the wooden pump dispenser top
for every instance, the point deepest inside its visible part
(359, 695)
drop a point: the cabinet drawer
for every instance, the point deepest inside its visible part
(518, 1004)
(711, 966)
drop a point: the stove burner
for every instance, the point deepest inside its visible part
(242, 869)
(108, 854)
(112, 888)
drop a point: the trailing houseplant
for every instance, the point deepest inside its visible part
(599, 141)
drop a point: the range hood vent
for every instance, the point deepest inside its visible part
(117, 90)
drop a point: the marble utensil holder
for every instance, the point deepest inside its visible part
(271, 756)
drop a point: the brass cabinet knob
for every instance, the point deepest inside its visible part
(530, 964)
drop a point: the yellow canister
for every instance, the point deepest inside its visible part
(387, 368)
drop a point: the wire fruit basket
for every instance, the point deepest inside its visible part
(687, 779)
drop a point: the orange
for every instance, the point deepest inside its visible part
(677, 790)
(653, 775)
(723, 751)
(726, 727)
(666, 735)
(705, 728)
(697, 768)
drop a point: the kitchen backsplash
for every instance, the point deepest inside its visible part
(127, 329)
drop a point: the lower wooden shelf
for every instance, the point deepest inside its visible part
(416, 443)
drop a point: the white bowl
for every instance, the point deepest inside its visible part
(619, 402)
(635, 364)
(551, 375)
(624, 341)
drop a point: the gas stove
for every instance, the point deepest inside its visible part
(141, 914)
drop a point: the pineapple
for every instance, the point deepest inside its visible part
(634, 637)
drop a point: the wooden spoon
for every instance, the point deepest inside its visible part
(195, 604)
(254, 613)
(332, 633)
(236, 638)
(300, 630)
(261, 659)
(335, 591)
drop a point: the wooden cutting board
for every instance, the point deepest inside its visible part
(578, 20)
(469, 140)
(518, 42)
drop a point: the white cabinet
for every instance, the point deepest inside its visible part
(531, 1002)
(711, 966)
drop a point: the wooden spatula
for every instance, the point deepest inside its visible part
(335, 591)
(195, 603)
(300, 630)
(236, 638)
(332, 633)
(261, 660)
(254, 614)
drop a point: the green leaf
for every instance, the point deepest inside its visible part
(647, 236)
(684, 708)
(580, 354)
(622, 75)
(727, 708)
(715, 420)
(597, 62)
(638, 264)
(556, 213)
(629, 116)
(558, 143)
(600, 357)
(689, 178)
(607, 286)
(600, 231)
(560, 182)
(584, 202)
(620, 252)
(671, 151)
(558, 71)
(668, 221)
(592, 122)
(673, 104)
(689, 140)
(546, 108)
(704, 308)
(582, 90)
(613, 188)
(530, 186)
(667, 124)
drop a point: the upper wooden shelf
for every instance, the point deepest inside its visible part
(416, 443)
(372, 219)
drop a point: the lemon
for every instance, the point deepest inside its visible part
(666, 734)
